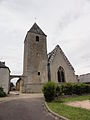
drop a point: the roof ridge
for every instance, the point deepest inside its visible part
(36, 29)
(53, 53)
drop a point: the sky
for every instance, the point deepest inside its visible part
(65, 22)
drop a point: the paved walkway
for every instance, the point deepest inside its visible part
(81, 104)
(24, 107)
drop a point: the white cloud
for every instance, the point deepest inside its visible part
(66, 23)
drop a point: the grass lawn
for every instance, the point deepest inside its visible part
(72, 113)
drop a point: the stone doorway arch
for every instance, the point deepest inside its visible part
(20, 81)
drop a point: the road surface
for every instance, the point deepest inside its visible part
(24, 109)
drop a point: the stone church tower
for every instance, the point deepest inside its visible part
(35, 60)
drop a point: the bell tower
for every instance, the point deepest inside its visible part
(35, 60)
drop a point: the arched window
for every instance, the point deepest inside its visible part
(37, 38)
(61, 74)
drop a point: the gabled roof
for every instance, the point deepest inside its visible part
(36, 29)
(52, 54)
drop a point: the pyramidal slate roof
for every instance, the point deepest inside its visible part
(52, 54)
(36, 29)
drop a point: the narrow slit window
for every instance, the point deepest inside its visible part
(37, 38)
(38, 73)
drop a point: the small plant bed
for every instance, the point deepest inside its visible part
(73, 113)
(2, 93)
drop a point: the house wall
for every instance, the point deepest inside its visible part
(60, 61)
(4, 79)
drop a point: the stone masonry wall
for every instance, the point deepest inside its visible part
(35, 60)
(60, 61)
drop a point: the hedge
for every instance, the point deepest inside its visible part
(49, 90)
(52, 90)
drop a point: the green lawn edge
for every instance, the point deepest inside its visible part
(72, 113)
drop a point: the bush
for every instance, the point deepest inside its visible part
(77, 89)
(58, 90)
(81, 88)
(49, 90)
(67, 89)
(86, 88)
(2, 93)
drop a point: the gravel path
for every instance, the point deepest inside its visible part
(82, 104)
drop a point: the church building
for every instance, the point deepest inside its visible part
(40, 67)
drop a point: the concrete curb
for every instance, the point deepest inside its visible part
(55, 114)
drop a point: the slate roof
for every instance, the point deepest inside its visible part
(2, 65)
(84, 78)
(36, 29)
(52, 54)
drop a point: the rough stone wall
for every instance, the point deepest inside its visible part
(35, 60)
(60, 61)
(4, 79)
(19, 85)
